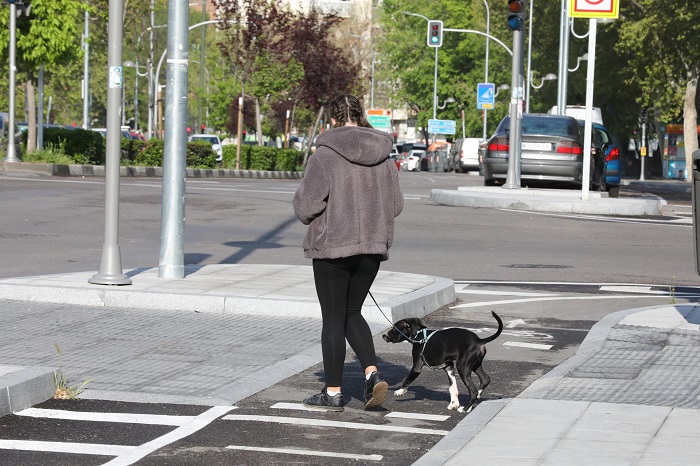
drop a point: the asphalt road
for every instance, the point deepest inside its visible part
(57, 225)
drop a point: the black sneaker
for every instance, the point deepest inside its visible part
(375, 391)
(323, 402)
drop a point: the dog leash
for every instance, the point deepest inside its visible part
(423, 341)
(392, 324)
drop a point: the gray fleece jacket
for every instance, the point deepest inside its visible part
(349, 195)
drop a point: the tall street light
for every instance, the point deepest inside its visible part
(131, 64)
(548, 77)
(486, 68)
(11, 150)
(371, 75)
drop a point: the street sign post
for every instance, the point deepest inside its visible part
(442, 126)
(379, 119)
(485, 96)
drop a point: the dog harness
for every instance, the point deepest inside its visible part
(424, 341)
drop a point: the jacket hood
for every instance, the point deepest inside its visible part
(363, 146)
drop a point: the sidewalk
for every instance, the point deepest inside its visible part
(117, 334)
(630, 395)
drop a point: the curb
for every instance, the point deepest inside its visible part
(23, 387)
(50, 169)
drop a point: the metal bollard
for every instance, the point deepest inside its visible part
(696, 207)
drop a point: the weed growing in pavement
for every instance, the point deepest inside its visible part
(63, 390)
(672, 290)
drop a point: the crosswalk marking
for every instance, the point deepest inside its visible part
(327, 423)
(419, 416)
(296, 451)
(66, 447)
(528, 345)
(154, 419)
(502, 293)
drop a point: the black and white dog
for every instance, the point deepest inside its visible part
(445, 349)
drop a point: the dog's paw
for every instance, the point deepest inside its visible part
(400, 392)
(460, 409)
(454, 405)
(478, 395)
(470, 409)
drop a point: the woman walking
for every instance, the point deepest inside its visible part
(349, 197)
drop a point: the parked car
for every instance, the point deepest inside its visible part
(465, 154)
(613, 170)
(212, 139)
(412, 161)
(551, 150)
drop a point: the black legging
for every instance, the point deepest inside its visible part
(342, 286)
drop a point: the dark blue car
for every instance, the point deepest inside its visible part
(612, 155)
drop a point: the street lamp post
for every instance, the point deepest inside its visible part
(371, 76)
(486, 68)
(548, 77)
(11, 150)
(130, 64)
(583, 57)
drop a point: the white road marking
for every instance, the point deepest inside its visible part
(296, 451)
(460, 287)
(66, 447)
(418, 416)
(325, 423)
(514, 323)
(527, 345)
(630, 289)
(199, 422)
(293, 406)
(153, 419)
(503, 293)
(534, 300)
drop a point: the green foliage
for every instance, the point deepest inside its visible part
(200, 155)
(262, 158)
(78, 145)
(50, 154)
(151, 155)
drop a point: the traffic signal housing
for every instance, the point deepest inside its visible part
(517, 14)
(434, 33)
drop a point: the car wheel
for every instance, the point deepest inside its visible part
(614, 191)
(489, 182)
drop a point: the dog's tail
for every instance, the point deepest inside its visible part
(498, 332)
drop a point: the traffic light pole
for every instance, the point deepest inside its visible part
(516, 113)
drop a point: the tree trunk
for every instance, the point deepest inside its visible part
(31, 117)
(690, 123)
(258, 125)
(312, 135)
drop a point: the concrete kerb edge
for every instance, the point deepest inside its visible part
(24, 388)
(140, 171)
(590, 346)
(462, 434)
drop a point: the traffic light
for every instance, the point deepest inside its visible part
(203, 128)
(517, 14)
(434, 33)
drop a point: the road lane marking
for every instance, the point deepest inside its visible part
(326, 423)
(66, 447)
(503, 293)
(198, 423)
(528, 345)
(296, 451)
(418, 416)
(534, 300)
(631, 289)
(153, 419)
(396, 414)
(515, 323)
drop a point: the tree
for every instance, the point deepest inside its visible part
(49, 35)
(661, 39)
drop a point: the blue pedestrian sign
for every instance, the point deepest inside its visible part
(485, 96)
(442, 126)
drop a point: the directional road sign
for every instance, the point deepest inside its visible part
(380, 119)
(442, 126)
(485, 96)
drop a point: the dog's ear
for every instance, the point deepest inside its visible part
(414, 325)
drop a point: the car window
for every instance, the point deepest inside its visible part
(209, 139)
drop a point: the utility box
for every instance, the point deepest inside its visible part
(696, 207)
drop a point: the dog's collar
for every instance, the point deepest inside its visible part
(422, 337)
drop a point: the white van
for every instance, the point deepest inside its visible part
(465, 155)
(579, 112)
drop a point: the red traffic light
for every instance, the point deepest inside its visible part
(516, 6)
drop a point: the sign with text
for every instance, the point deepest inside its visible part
(442, 126)
(594, 8)
(379, 118)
